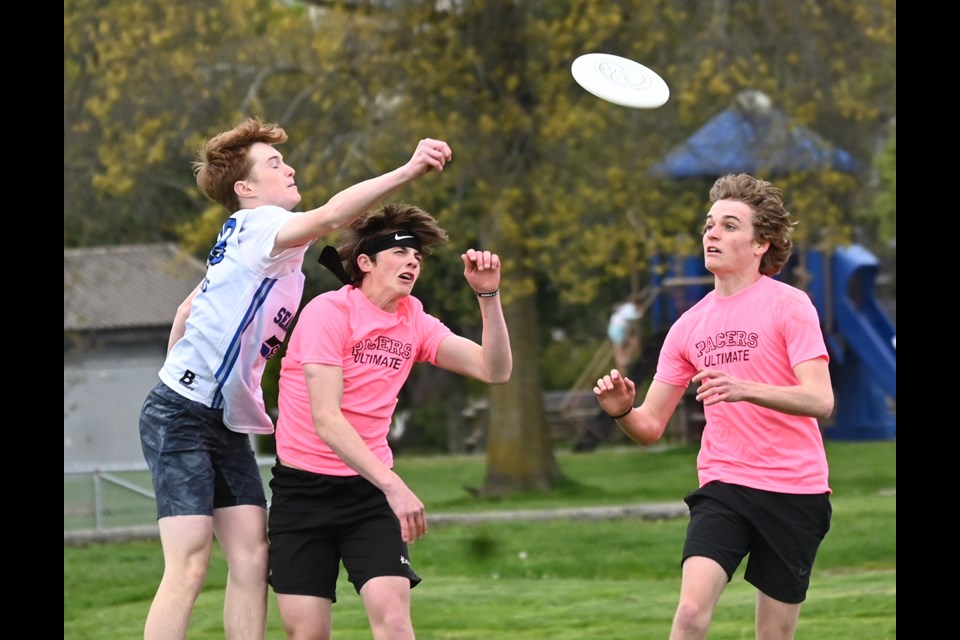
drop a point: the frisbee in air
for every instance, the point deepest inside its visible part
(620, 81)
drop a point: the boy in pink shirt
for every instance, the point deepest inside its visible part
(756, 351)
(195, 424)
(335, 495)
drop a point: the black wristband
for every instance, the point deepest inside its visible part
(621, 415)
(487, 294)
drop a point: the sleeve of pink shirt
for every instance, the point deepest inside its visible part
(672, 367)
(802, 334)
(322, 328)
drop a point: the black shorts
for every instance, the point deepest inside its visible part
(197, 464)
(780, 531)
(316, 521)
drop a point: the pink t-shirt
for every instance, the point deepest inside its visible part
(375, 349)
(759, 334)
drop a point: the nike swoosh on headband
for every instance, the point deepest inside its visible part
(390, 240)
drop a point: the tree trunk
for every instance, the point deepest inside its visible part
(519, 445)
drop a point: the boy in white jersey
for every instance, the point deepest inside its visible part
(756, 351)
(195, 424)
(335, 496)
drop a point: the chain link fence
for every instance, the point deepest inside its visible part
(111, 502)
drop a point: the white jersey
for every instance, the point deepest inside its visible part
(238, 319)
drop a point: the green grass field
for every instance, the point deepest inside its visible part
(561, 579)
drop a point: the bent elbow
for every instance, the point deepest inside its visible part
(826, 409)
(827, 412)
(495, 377)
(499, 374)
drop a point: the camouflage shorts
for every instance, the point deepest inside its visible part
(197, 464)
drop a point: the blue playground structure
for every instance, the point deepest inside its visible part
(751, 136)
(860, 336)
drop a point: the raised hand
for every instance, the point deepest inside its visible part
(430, 155)
(615, 393)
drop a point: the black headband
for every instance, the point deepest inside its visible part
(330, 258)
(391, 240)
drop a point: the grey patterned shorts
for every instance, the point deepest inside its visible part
(197, 464)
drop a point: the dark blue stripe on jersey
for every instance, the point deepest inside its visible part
(233, 351)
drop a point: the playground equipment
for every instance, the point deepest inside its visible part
(753, 136)
(860, 337)
(750, 136)
(862, 343)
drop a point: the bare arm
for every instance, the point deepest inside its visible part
(644, 424)
(813, 396)
(492, 360)
(325, 388)
(180, 319)
(349, 204)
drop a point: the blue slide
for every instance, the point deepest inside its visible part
(863, 352)
(859, 319)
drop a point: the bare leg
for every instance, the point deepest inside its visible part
(776, 620)
(305, 617)
(186, 542)
(703, 582)
(387, 601)
(242, 533)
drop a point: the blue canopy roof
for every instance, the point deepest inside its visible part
(752, 137)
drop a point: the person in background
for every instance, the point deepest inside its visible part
(755, 350)
(335, 496)
(195, 424)
(623, 333)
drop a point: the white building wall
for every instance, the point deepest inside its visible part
(102, 395)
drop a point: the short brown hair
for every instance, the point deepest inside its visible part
(771, 220)
(225, 159)
(389, 218)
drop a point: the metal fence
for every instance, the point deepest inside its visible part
(115, 498)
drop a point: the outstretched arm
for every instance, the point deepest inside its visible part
(644, 424)
(349, 204)
(491, 361)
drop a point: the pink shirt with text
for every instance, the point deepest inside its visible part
(759, 334)
(376, 351)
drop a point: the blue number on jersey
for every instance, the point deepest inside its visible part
(219, 249)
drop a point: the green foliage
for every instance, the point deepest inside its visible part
(144, 84)
(563, 360)
(538, 161)
(882, 215)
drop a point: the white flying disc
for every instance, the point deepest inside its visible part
(620, 80)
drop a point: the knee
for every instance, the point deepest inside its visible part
(188, 577)
(396, 624)
(250, 566)
(302, 632)
(692, 619)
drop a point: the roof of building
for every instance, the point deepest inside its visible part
(126, 287)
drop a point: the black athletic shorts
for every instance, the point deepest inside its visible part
(316, 521)
(197, 464)
(780, 531)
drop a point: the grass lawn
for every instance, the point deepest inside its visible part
(563, 579)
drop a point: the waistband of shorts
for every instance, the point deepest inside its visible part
(295, 470)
